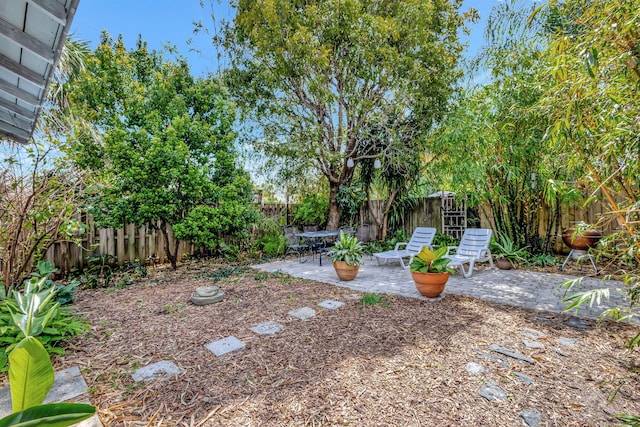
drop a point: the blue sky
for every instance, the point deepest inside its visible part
(163, 22)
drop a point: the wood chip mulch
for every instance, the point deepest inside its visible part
(398, 364)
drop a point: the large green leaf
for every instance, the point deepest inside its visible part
(30, 374)
(50, 415)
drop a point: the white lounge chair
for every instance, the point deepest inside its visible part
(473, 247)
(422, 236)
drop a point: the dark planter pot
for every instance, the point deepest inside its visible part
(581, 241)
(430, 284)
(344, 271)
(503, 264)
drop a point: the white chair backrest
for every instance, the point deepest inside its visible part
(474, 240)
(422, 236)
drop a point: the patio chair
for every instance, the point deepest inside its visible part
(363, 234)
(294, 243)
(422, 236)
(473, 247)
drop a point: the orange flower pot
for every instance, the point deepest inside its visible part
(430, 284)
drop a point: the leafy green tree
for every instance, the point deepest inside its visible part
(314, 77)
(594, 103)
(164, 154)
(492, 146)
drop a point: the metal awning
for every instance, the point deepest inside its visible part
(32, 33)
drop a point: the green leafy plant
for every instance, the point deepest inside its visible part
(428, 261)
(30, 371)
(59, 326)
(347, 248)
(543, 260)
(312, 210)
(504, 247)
(441, 239)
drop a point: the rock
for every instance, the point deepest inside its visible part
(532, 333)
(475, 368)
(491, 391)
(567, 342)
(525, 378)
(533, 344)
(497, 359)
(511, 353)
(531, 417)
(577, 323)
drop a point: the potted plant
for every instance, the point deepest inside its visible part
(430, 271)
(346, 254)
(506, 254)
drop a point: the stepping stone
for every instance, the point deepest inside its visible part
(303, 313)
(533, 333)
(331, 304)
(267, 328)
(225, 345)
(577, 323)
(491, 391)
(511, 353)
(525, 378)
(533, 344)
(567, 342)
(163, 370)
(531, 417)
(475, 368)
(68, 384)
(497, 359)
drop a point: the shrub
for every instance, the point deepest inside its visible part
(62, 324)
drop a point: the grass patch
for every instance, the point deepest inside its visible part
(371, 298)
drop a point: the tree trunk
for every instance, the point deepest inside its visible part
(334, 210)
(172, 257)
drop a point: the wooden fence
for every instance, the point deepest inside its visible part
(132, 243)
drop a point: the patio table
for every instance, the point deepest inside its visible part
(316, 236)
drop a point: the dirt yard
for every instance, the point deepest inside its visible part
(401, 363)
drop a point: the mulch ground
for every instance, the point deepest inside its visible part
(401, 363)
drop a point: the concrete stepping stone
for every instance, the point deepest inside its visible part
(68, 384)
(331, 304)
(225, 345)
(303, 313)
(491, 391)
(511, 353)
(163, 369)
(531, 417)
(267, 328)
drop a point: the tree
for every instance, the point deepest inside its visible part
(165, 156)
(314, 77)
(594, 102)
(40, 191)
(506, 165)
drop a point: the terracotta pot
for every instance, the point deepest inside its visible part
(503, 264)
(345, 271)
(585, 240)
(430, 284)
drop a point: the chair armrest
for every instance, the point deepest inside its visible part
(449, 248)
(400, 243)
